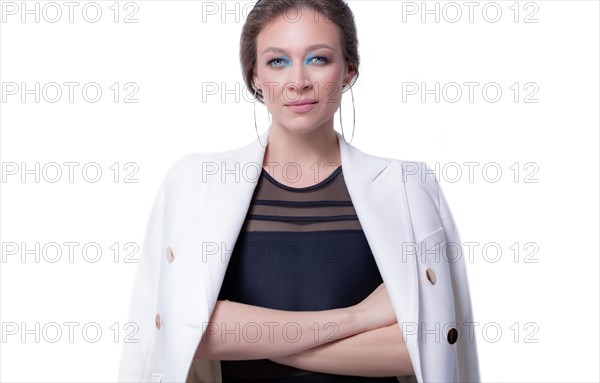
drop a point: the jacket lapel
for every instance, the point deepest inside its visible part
(376, 187)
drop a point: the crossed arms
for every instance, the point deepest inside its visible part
(361, 340)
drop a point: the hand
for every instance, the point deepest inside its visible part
(376, 310)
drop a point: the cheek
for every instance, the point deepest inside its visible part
(329, 84)
(330, 93)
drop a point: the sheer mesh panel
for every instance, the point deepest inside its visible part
(320, 207)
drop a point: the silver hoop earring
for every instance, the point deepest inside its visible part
(256, 126)
(353, 118)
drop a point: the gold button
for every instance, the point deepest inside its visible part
(452, 335)
(430, 276)
(170, 256)
(158, 322)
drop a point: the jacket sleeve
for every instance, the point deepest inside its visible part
(140, 328)
(467, 358)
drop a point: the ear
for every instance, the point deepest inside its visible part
(350, 73)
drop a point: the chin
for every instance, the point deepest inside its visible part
(300, 128)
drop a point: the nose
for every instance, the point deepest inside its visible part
(298, 83)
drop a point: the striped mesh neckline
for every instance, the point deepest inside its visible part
(325, 206)
(322, 183)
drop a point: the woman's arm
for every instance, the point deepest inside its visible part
(239, 331)
(376, 353)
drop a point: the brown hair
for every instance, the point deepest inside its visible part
(336, 11)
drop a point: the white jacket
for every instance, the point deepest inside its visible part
(194, 223)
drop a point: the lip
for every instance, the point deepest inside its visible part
(301, 108)
(303, 101)
(303, 105)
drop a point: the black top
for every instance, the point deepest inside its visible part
(300, 249)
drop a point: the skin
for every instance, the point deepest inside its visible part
(227, 341)
(375, 353)
(305, 140)
(364, 339)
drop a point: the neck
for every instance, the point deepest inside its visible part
(304, 149)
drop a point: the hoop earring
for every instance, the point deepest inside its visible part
(353, 118)
(256, 126)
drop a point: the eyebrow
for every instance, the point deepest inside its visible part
(308, 49)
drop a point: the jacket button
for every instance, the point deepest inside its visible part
(170, 256)
(452, 335)
(158, 322)
(430, 276)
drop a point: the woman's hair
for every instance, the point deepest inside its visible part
(264, 11)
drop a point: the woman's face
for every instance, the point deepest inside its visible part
(299, 56)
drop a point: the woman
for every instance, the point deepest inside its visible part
(275, 279)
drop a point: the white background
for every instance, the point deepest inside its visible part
(547, 311)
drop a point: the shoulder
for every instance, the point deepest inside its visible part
(418, 178)
(420, 181)
(202, 161)
(189, 163)
(197, 167)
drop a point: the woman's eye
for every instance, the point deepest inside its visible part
(322, 58)
(280, 60)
